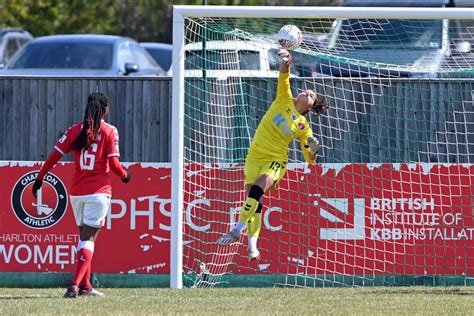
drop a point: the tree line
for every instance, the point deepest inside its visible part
(143, 20)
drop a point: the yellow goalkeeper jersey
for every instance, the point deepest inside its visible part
(280, 125)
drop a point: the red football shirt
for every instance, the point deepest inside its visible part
(92, 171)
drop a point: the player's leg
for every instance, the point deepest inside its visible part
(253, 231)
(94, 218)
(259, 177)
(257, 181)
(84, 257)
(240, 226)
(77, 204)
(250, 206)
(251, 173)
(271, 175)
(254, 221)
(94, 211)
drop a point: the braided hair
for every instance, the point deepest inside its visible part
(96, 109)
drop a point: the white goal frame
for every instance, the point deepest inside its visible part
(180, 12)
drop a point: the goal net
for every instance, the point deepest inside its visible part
(390, 200)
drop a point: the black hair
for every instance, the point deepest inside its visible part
(96, 108)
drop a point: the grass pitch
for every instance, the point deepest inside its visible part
(244, 301)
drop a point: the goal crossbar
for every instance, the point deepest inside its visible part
(322, 12)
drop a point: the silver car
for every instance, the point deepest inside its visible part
(83, 55)
(161, 53)
(11, 40)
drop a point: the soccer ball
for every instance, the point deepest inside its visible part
(290, 37)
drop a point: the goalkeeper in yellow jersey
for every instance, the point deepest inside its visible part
(267, 158)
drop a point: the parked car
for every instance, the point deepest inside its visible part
(11, 40)
(221, 59)
(161, 53)
(408, 48)
(88, 55)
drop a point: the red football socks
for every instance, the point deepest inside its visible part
(83, 268)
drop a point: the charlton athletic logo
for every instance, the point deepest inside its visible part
(45, 211)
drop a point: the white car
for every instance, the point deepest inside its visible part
(224, 59)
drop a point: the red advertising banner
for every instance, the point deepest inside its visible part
(353, 219)
(135, 238)
(329, 218)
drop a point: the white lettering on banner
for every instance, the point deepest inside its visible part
(47, 255)
(38, 254)
(384, 212)
(50, 179)
(402, 204)
(164, 204)
(134, 213)
(26, 180)
(62, 254)
(110, 215)
(163, 211)
(39, 222)
(20, 238)
(56, 238)
(422, 233)
(405, 218)
(189, 212)
(36, 238)
(419, 218)
(19, 257)
(266, 219)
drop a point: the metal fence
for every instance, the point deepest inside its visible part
(395, 121)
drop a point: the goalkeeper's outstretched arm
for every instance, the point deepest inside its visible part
(286, 61)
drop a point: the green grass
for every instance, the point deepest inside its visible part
(244, 301)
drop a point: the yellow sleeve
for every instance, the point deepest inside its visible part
(304, 147)
(283, 90)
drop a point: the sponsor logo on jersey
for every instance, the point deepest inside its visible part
(62, 139)
(294, 117)
(44, 211)
(301, 126)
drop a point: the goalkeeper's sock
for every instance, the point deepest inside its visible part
(254, 226)
(253, 242)
(251, 204)
(84, 259)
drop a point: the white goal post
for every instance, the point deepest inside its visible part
(180, 14)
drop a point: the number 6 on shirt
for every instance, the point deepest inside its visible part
(87, 160)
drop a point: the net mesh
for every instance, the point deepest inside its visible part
(390, 200)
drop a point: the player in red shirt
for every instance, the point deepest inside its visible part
(95, 147)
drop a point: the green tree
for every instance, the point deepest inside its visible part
(46, 17)
(143, 20)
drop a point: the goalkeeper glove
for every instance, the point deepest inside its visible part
(36, 186)
(127, 178)
(313, 145)
(285, 56)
